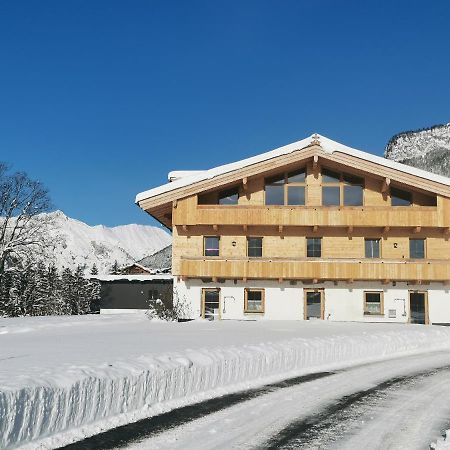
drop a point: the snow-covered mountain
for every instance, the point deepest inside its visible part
(427, 149)
(86, 245)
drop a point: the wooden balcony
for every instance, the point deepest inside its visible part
(317, 269)
(370, 216)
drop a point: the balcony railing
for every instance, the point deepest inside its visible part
(362, 216)
(320, 269)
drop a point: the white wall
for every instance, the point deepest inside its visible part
(343, 302)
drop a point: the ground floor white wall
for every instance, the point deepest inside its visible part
(342, 301)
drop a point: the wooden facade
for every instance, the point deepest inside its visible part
(193, 212)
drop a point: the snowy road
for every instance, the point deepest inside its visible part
(397, 404)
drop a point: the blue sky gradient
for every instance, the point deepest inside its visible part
(100, 99)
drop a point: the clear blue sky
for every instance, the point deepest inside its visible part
(100, 99)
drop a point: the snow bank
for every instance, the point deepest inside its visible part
(442, 443)
(50, 405)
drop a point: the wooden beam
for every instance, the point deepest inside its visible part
(315, 161)
(386, 230)
(215, 227)
(315, 281)
(280, 229)
(245, 183)
(245, 228)
(417, 229)
(386, 184)
(386, 281)
(350, 281)
(214, 279)
(315, 228)
(446, 231)
(280, 280)
(244, 279)
(184, 227)
(175, 203)
(350, 229)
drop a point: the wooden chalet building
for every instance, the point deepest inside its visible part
(314, 229)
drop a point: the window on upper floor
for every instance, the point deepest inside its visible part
(341, 189)
(254, 301)
(254, 247)
(286, 189)
(211, 246)
(372, 248)
(417, 248)
(400, 197)
(229, 197)
(373, 303)
(314, 247)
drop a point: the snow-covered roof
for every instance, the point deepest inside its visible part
(159, 276)
(177, 174)
(327, 145)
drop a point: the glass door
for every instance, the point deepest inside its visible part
(211, 304)
(314, 304)
(418, 307)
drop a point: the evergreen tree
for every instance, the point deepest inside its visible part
(115, 268)
(94, 270)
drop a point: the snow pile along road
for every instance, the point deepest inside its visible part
(64, 378)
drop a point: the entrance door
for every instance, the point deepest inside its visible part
(418, 307)
(314, 304)
(211, 304)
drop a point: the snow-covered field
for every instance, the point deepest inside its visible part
(63, 378)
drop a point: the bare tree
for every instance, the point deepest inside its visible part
(24, 229)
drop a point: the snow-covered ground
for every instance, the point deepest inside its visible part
(63, 378)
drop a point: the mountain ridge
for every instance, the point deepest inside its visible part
(426, 148)
(87, 245)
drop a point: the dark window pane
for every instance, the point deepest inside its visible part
(296, 177)
(313, 305)
(254, 301)
(230, 197)
(350, 179)
(400, 198)
(372, 248)
(373, 303)
(353, 195)
(329, 176)
(417, 248)
(296, 195)
(274, 195)
(254, 247)
(212, 246)
(330, 196)
(279, 180)
(314, 247)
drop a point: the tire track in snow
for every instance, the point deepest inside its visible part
(145, 428)
(332, 426)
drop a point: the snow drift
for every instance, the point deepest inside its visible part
(52, 404)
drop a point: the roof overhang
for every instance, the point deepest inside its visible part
(158, 201)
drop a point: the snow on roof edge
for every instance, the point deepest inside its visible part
(328, 145)
(131, 277)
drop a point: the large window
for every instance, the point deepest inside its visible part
(340, 189)
(417, 248)
(372, 248)
(211, 245)
(229, 197)
(254, 247)
(254, 301)
(373, 303)
(286, 189)
(400, 197)
(314, 247)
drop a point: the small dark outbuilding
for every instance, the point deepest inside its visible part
(133, 293)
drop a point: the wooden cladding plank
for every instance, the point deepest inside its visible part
(321, 216)
(321, 270)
